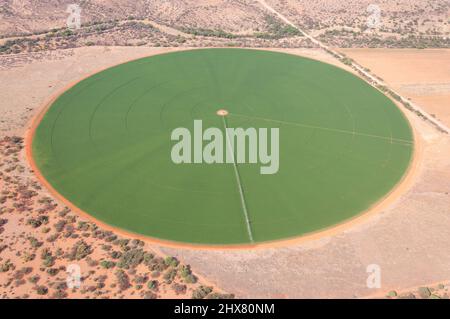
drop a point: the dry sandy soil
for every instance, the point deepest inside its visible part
(408, 240)
(421, 75)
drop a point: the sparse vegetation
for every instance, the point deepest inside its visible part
(131, 258)
(122, 280)
(79, 251)
(201, 292)
(276, 29)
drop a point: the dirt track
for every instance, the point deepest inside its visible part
(421, 75)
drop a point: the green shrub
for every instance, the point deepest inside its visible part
(107, 264)
(79, 251)
(131, 258)
(216, 295)
(171, 261)
(201, 292)
(6, 266)
(152, 284)
(41, 290)
(179, 289)
(48, 261)
(424, 292)
(122, 280)
(170, 275)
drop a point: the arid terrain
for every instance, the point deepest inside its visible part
(427, 83)
(28, 26)
(40, 239)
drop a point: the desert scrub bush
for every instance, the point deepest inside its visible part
(37, 222)
(3, 222)
(171, 262)
(91, 262)
(216, 295)
(70, 229)
(19, 282)
(6, 266)
(71, 219)
(19, 274)
(347, 61)
(137, 243)
(186, 274)
(148, 257)
(48, 261)
(79, 251)
(424, 292)
(66, 33)
(59, 294)
(201, 292)
(64, 212)
(179, 289)
(157, 264)
(45, 200)
(115, 254)
(110, 238)
(190, 279)
(28, 256)
(277, 29)
(122, 280)
(27, 194)
(83, 226)
(131, 259)
(149, 295)
(106, 247)
(45, 253)
(210, 33)
(59, 226)
(100, 285)
(41, 290)
(52, 271)
(52, 238)
(121, 242)
(170, 275)
(391, 294)
(140, 279)
(34, 279)
(34, 242)
(107, 264)
(153, 284)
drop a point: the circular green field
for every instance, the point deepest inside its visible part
(105, 145)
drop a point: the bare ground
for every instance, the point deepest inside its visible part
(421, 75)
